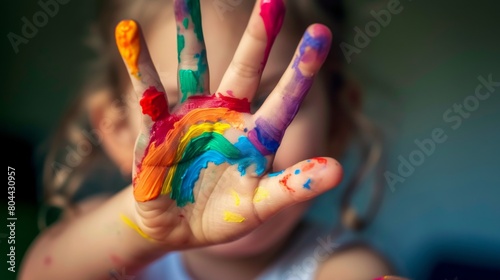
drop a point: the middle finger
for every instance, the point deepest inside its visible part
(193, 76)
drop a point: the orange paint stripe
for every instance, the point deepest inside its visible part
(129, 45)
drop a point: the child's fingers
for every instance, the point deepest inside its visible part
(144, 77)
(244, 73)
(193, 77)
(283, 103)
(300, 182)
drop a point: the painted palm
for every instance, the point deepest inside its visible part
(200, 174)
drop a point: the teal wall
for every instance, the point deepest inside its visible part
(426, 60)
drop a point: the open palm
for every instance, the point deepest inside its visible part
(201, 169)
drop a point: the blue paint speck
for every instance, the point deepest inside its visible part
(307, 185)
(275, 173)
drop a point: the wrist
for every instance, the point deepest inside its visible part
(137, 247)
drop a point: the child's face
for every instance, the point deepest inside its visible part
(306, 137)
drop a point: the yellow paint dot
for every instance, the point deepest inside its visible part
(231, 217)
(236, 197)
(260, 194)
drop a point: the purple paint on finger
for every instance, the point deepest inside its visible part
(265, 137)
(268, 132)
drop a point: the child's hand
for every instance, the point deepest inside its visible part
(201, 169)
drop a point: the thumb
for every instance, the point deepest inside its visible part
(300, 182)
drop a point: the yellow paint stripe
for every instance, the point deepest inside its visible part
(236, 197)
(231, 217)
(260, 194)
(135, 227)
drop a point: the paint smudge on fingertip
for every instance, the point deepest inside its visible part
(272, 13)
(231, 217)
(154, 103)
(260, 194)
(129, 45)
(312, 48)
(307, 184)
(297, 171)
(236, 198)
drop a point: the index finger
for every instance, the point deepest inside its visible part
(143, 74)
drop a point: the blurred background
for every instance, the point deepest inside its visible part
(440, 218)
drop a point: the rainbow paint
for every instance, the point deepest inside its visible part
(129, 45)
(319, 44)
(184, 143)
